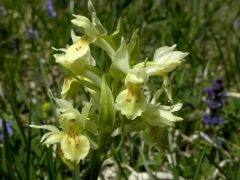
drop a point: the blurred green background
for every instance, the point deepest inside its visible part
(208, 30)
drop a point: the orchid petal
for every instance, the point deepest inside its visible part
(75, 149)
(48, 127)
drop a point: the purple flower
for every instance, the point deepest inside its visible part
(209, 91)
(50, 10)
(32, 33)
(208, 119)
(214, 99)
(217, 120)
(9, 129)
(214, 104)
(218, 85)
(215, 94)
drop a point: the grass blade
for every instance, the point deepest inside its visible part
(201, 157)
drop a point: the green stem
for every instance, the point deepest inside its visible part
(97, 159)
(172, 155)
(94, 77)
(96, 164)
(76, 173)
(102, 43)
(29, 146)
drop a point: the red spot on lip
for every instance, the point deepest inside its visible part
(78, 48)
(128, 100)
(77, 146)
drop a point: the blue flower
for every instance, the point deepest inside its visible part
(50, 10)
(214, 104)
(9, 129)
(208, 119)
(214, 98)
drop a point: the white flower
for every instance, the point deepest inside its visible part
(165, 59)
(158, 115)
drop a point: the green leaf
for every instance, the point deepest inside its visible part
(121, 57)
(84, 82)
(95, 70)
(133, 48)
(200, 159)
(107, 108)
(98, 25)
(116, 73)
(91, 8)
(96, 22)
(116, 36)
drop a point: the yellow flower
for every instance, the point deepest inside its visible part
(131, 101)
(75, 57)
(74, 145)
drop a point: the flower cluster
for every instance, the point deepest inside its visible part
(214, 99)
(117, 96)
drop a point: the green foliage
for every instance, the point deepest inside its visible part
(107, 109)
